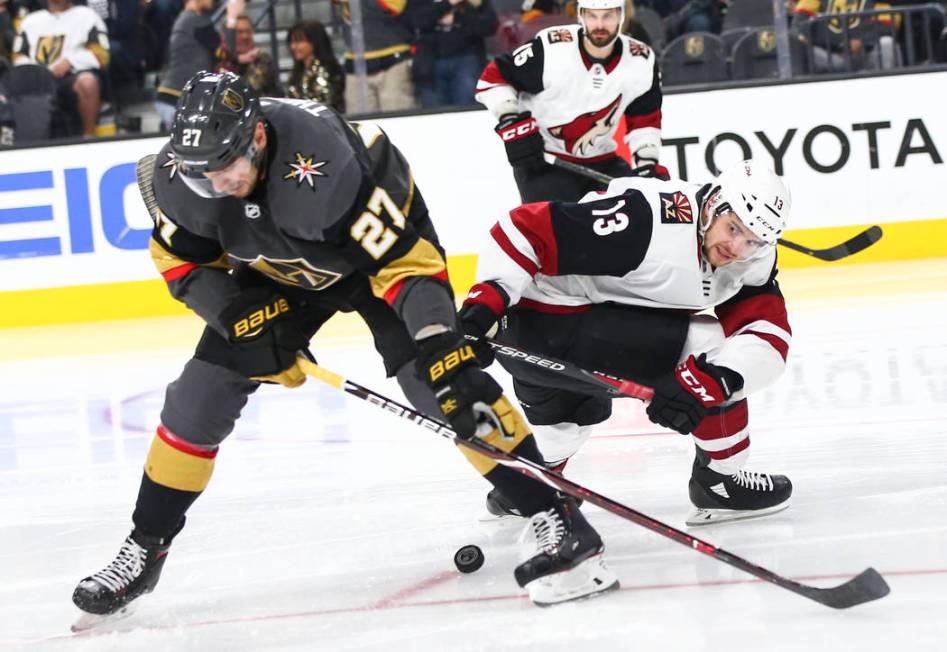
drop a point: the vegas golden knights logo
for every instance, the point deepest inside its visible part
(232, 100)
(49, 49)
(296, 272)
(694, 46)
(766, 41)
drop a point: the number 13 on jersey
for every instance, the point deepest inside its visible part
(370, 231)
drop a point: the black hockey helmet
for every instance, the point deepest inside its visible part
(214, 122)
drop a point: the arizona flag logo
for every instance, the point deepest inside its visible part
(580, 134)
(676, 208)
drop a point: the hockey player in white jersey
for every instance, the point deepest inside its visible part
(614, 284)
(565, 92)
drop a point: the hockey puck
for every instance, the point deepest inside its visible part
(468, 559)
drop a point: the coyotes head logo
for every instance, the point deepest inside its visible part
(580, 134)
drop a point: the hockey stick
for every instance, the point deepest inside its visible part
(864, 587)
(852, 246)
(611, 384)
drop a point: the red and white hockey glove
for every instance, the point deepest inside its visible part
(650, 168)
(524, 144)
(482, 308)
(683, 396)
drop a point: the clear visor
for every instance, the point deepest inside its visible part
(235, 180)
(743, 243)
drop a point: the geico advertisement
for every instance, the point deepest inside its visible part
(854, 152)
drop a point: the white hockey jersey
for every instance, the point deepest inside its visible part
(637, 243)
(578, 102)
(77, 34)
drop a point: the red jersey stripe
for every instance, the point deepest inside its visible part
(649, 120)
(175, 273)
(725, 424)
(534, 221)
(768, 307)
(504, 242)
(184, 446)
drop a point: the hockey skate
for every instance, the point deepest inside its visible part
(500, 510)
(718, 497)
(568, 563)
(107, 595)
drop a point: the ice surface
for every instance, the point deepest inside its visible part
(330, 525)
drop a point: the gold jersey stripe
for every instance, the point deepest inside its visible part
(165, 260)
(174, 468)
(422, 260)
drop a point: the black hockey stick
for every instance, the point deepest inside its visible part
(864, 587)
(853, 245)
(611, 384)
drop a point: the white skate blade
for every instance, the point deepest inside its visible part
(701, 516)
(589, 578)
(505, 519)
(87, 621)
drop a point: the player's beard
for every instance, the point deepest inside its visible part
(601, 38)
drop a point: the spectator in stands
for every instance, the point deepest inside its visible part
(6, 30)
(450, 50)
(241, 56)
(122, 19)
(194, 46)
(72, 42)
(537, 15)
(632, 27)
(388, 32)
(868, 45)
(317, 74)
(159, 17)
(684, 16)
(924, 33)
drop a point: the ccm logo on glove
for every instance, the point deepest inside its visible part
(252, 324)
(518, 130)
(689, 379)
(451, 360)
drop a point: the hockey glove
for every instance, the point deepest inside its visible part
(484, 304)
(683, 396)
(650, 168)
(523, 142)
(470, 399)
(267, 339)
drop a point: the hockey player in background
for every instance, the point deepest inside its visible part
(270, 216)
(614, 284)
(565, 93)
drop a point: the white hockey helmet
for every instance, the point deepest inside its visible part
(601, 4)
(759, 198)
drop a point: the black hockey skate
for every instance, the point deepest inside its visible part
(569, 562)
(133, 573)
(718, 497)
(499, 509)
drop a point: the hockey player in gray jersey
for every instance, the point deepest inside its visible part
(269, 217)
(614, 283)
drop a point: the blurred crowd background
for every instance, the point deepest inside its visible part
(93, 68)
